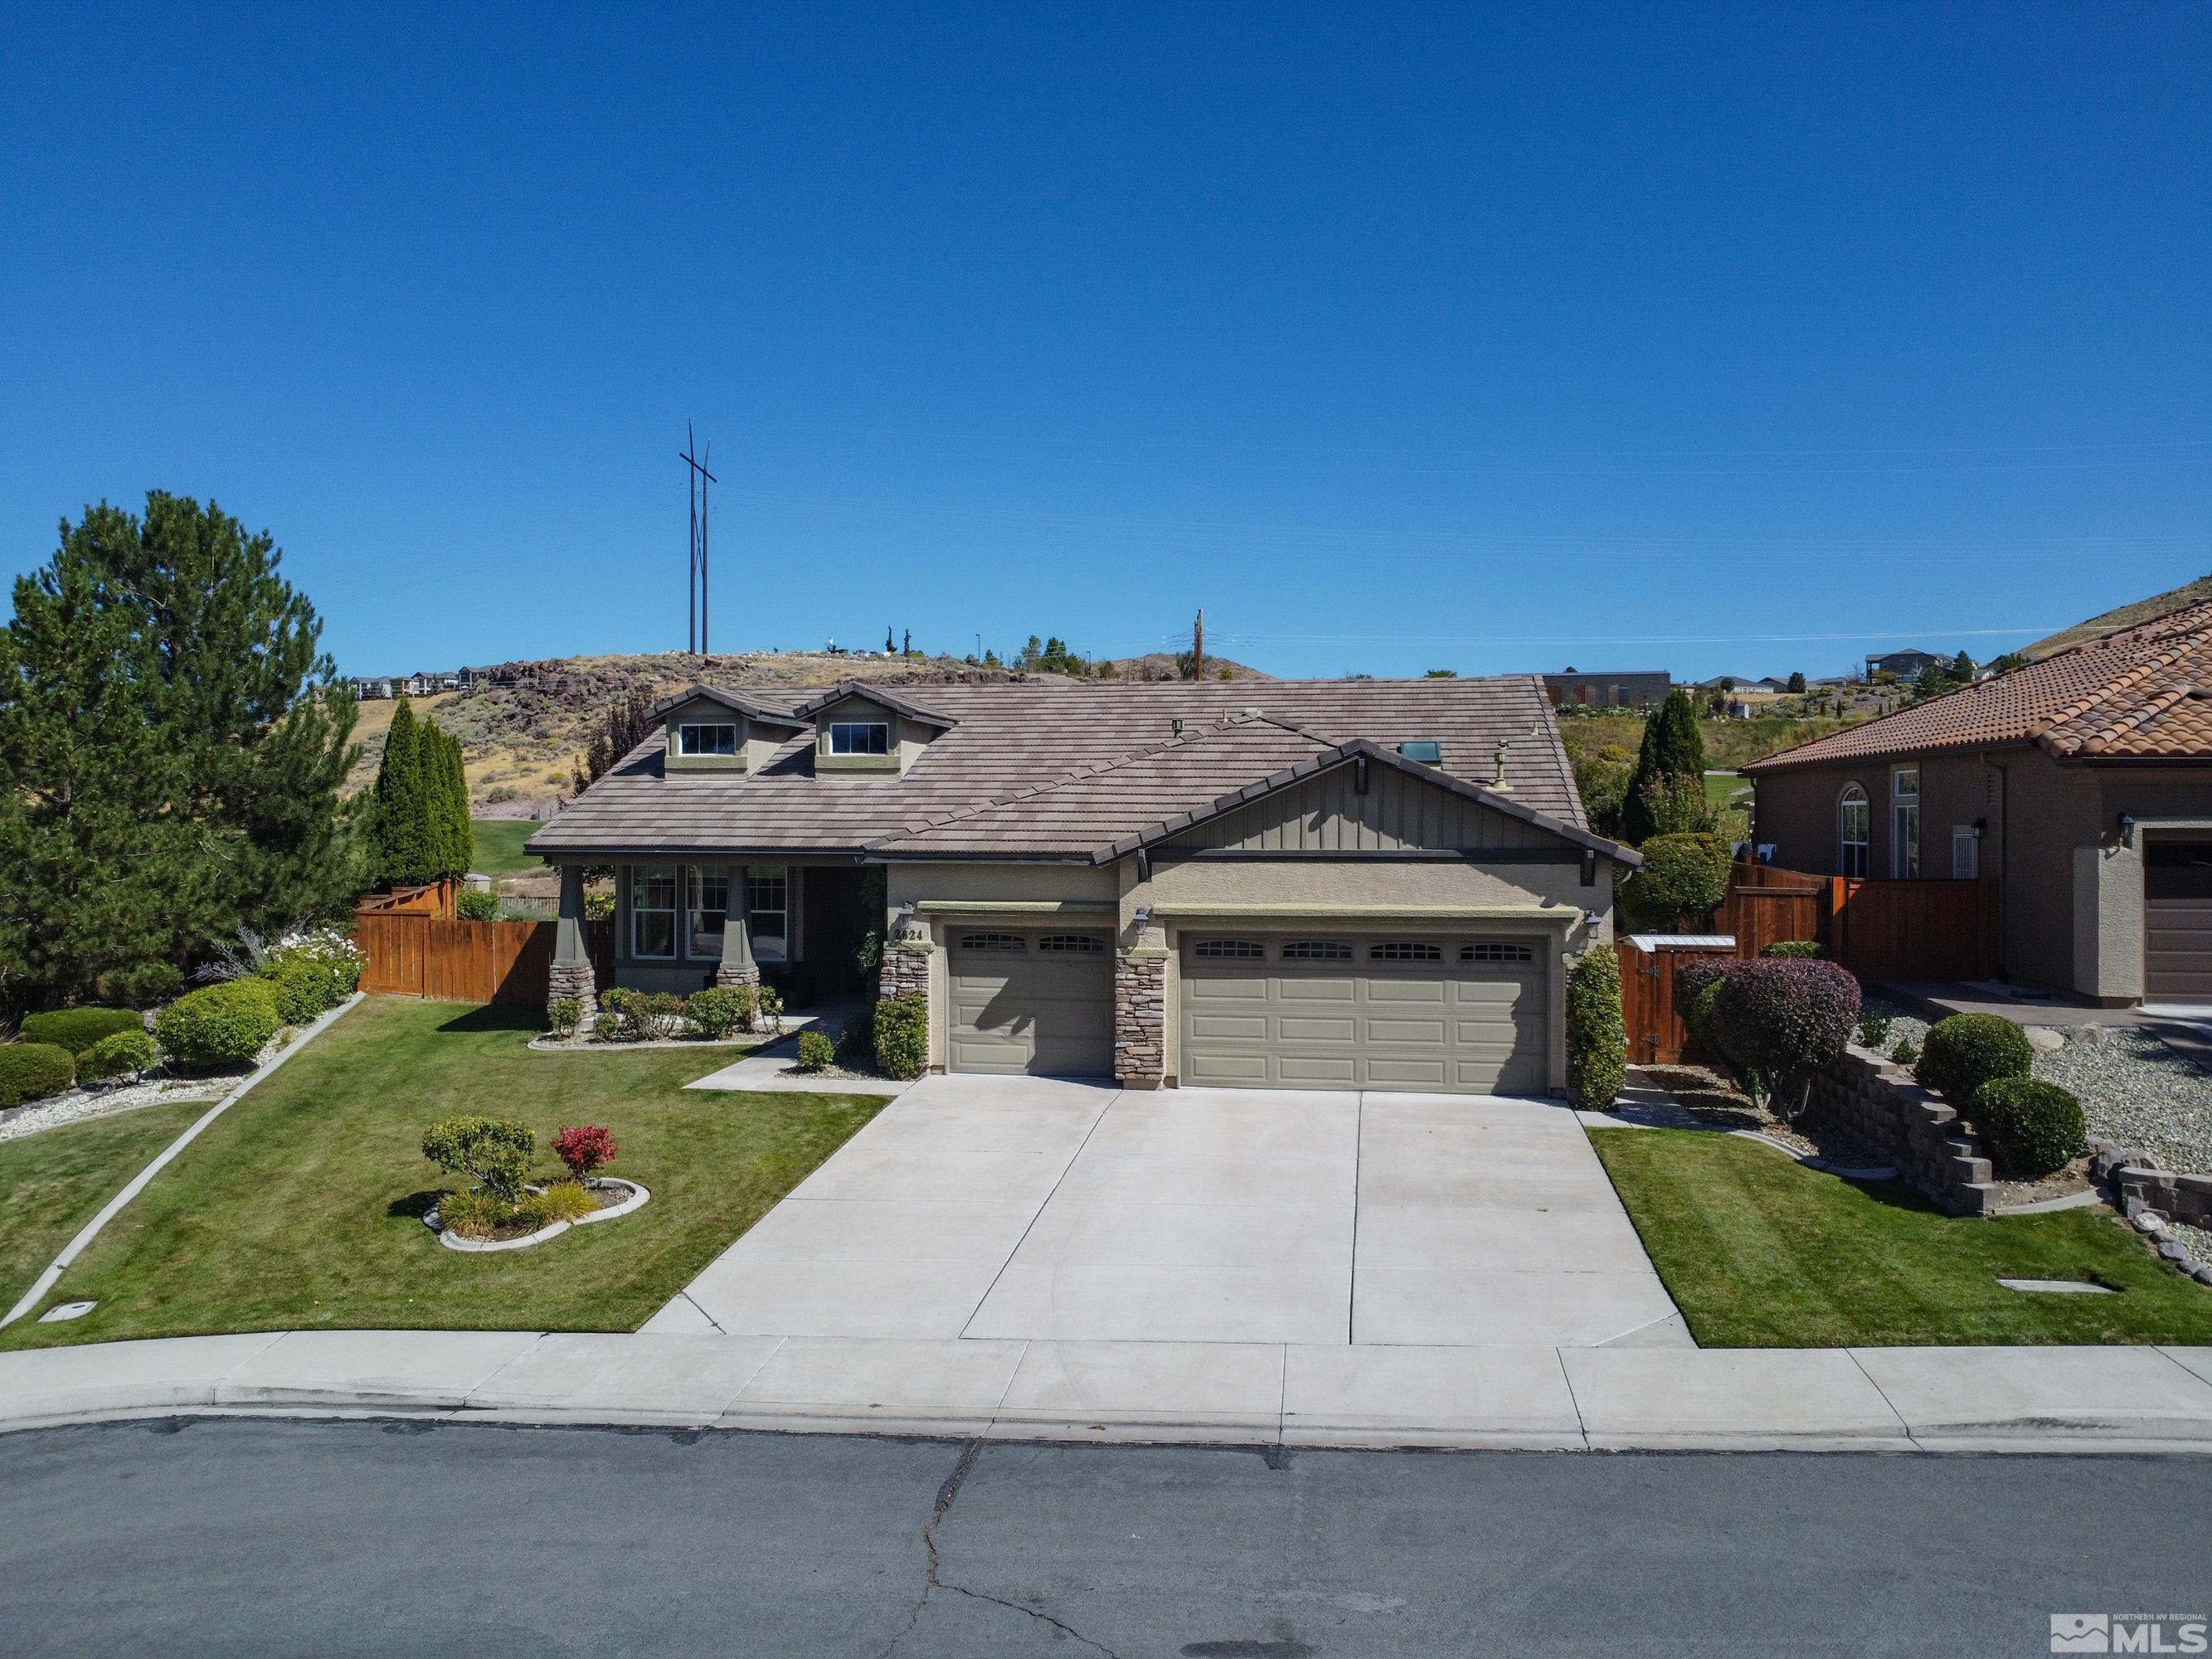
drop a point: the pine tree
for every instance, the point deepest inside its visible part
(446, 786)
(1673, 749)
(402, 823)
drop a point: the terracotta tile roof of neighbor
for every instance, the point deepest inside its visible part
(2142, 693)
(1056, 768)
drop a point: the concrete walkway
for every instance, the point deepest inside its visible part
(1029, 1209)
(2038, 1400)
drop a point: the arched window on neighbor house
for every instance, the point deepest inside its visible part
(1851, 820)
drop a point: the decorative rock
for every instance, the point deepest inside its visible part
(2202, 1273)
(2148, 1221)
(2174, 1250)
(2043, 1039)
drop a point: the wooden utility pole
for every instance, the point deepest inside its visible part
(1198, 647)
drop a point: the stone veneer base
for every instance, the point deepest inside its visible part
(1141, 1004)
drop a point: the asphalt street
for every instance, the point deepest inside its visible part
(205, 1536)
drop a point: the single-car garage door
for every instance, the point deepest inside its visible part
(2177, 922)
(1462, 1015)
(1040, 1003)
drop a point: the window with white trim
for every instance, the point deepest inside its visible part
(652, 913)
(1243, 950)
(1405, 950)
(1076, 942)
(991, 941)
(1491, 949)
(1316, 949)
(1905, 822)
(768, 907)
(706, 739)
(1853, 819)
(709, 906)
(860, 737)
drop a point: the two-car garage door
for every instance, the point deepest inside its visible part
(1459, 1016)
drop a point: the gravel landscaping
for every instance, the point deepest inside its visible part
(103, 1101)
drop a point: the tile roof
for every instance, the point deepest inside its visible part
(2144, 693)
(1112, 745)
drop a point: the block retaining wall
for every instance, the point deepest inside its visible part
(2140, 1182)
(1878, 1100)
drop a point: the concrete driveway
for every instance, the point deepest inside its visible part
(1032, 1209)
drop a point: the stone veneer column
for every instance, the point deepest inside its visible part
(571, 977)
(1141, 1009)
(736, 966)
(906, 968)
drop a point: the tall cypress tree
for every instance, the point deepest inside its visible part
(1672, 750)
(446, 784)
(403, 814)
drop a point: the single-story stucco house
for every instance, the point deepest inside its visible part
(1350, 884)
(2081, 784)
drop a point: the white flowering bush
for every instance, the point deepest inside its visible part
(310, 971)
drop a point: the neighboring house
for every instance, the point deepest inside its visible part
(366, 689)
(2083, 784)
(1636, 688)
(1906, 665)
(1330, 884)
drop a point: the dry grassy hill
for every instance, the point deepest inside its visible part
(2127, 616)
(523, 726)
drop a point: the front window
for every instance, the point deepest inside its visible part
(710, 903)
(706, 739)
(652, 913)
(860, 737)
(768, 898)
(1852, 821)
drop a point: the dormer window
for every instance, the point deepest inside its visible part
(706, 739)
(860, 737)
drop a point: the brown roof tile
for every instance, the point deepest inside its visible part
(2143, 693)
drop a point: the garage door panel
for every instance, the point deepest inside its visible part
(1031, 1011)
(1475, 1026)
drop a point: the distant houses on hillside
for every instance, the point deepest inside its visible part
(370, 687)
(1636, 688)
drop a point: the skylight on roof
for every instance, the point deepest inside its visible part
(1422, 749)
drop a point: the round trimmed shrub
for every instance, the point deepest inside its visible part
(493, 1152)
(1779, 1019)
(77, 1029)
(1699, 1022)
(303, 987)
(1597, 1037)
(2028, 1128)
(1965, 1051)
(816, 1051)
(222, 1025)
(33, 1071)
(902, 1035)
(112, 1056)
(1683, 875)
(719, 1011)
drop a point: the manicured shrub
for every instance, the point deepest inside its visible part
(1779, 1020)
(475, 904)
(222, 1025)
(1597, 1036)
(816, 1051)
(113, 1055)
(719, 1011)
(1874, 1030)
(1683, 877)
(311, 975)
(1797, 949)
(1693, 976)
(1905, 1052)
(629, 1016)
(2028, 1128)
(902, 1035)
(585, 1149)
(659, 1015)
(33, 1071)
(492, 1151)
(564, 1015)
(557, 1200)
(1967, 1050)
(1699, 1021)
(77, 1029)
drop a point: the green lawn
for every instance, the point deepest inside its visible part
(300, 1207)
(499, 846)
(1759, 1251)
(56, 1181)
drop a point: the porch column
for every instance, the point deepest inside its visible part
(571, 977)
(736, 966)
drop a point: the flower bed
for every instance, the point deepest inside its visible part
(616, 1196)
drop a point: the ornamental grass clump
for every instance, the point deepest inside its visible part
(1965, 1051)
(1779, 1020)
(2029, 1129)
(1597, 1036)
(225, 1024)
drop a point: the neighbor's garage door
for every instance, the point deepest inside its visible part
(2177, 922)
(1031, 1002)
(1462, 1015)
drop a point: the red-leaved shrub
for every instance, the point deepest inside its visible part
(584, 1149)
(1779, 1019)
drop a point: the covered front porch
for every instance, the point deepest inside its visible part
(681, 925)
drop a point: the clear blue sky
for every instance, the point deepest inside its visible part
(1493, 338)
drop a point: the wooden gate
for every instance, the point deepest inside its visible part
(1656, 1036)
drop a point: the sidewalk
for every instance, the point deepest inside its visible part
(1982, 1399)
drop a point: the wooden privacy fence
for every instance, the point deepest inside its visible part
(1656, 1036)
(420, 954)
(439, 898)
